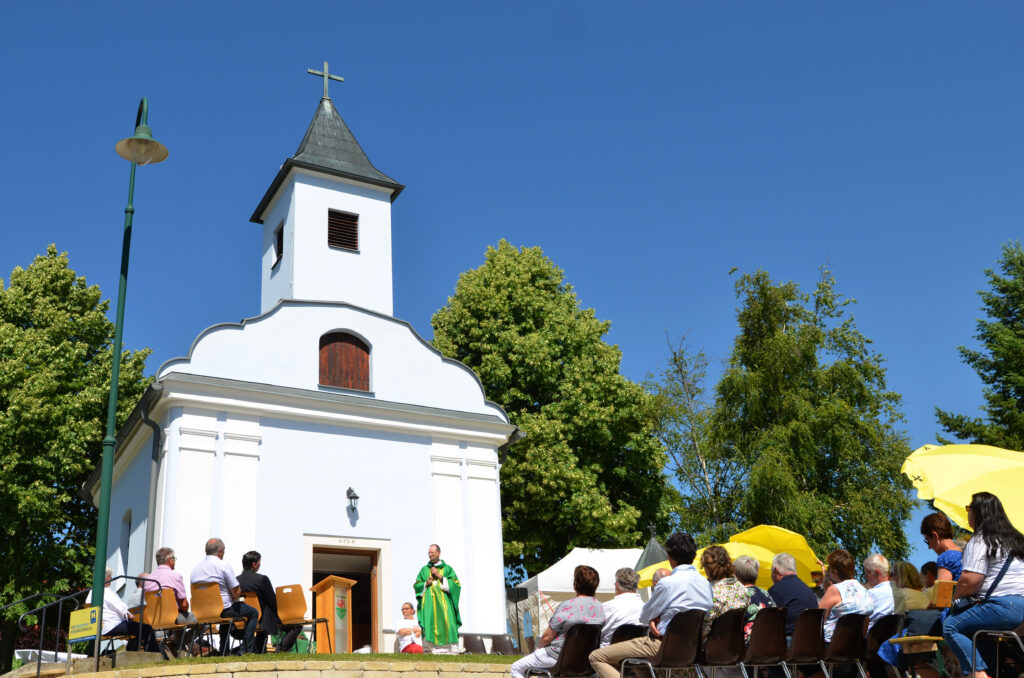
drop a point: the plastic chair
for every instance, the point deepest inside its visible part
(847, 643)
(574, 660)
(724, 644)
(473, 643)
(808, 642)
(1000, 637)
(679, 645)
(767, 643)
(291, 608)
(883, 629)
(503, 645)
(627, 632)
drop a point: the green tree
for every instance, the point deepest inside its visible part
(589, 471)
(55, 359)
(803, 404)
(711, 483)
(1000, 360)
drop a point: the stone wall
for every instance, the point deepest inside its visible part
(314, 669)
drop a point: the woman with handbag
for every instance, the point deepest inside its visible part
(990, 592)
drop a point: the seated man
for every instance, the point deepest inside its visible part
(410, 635)
(625, 607)
(251, 580)
(684, 589)
(876, 571)
(658, 575)
(788, 591)
(214, 569)
(171, 580)
(117, 620)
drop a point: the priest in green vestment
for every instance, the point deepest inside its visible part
(437, 593)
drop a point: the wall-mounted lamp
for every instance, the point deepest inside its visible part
(353, 499)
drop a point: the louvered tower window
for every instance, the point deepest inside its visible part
(344, 361)
(278, 243)
(343, 230)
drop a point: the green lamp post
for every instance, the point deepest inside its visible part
(139, 149)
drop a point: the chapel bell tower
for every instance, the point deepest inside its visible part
(327, 220)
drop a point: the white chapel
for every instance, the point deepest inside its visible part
(257, 435)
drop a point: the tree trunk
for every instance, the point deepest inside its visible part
(8, 635)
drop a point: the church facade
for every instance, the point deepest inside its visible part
(265, 430)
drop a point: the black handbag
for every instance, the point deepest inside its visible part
(961, 604)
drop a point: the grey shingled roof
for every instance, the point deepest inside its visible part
(330, 147)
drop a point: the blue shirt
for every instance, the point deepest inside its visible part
(684, 589)
(951, 560)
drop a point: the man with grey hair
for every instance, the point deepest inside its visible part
(788, 591)
(625, 607)
(172, 584)
(658, 575)
(214, 569)
(876, 572)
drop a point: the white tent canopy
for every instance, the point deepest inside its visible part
(547, 589)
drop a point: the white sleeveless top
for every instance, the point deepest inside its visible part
(855, 600)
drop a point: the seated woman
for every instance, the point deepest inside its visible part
(408, 631)
(117, 620)
(907, 588)
(846, 595)
(583, 609)
(747, 569)
(938, 536)
(727, 593)
(993, 571)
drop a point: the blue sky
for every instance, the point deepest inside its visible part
(648, 148)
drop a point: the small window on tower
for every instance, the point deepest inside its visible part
(343, 230)
(278, 244)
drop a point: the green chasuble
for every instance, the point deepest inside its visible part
(438, 609)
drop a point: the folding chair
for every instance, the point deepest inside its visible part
(291, 608)
(679, 646)
(847, 643)
(503, 645)
(473, 643)
(574, 660)
(767, 643)
(207, 606)
(724, 644)
(627, 632)
(808, 642)
(885, 628)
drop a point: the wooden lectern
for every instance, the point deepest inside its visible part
(333, 599)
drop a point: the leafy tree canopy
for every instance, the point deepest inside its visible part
(589, 472)
(1000, 360)
(55, 359)
(804, 408)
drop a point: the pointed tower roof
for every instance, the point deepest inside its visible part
(329, 147)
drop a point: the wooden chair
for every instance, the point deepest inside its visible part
(847, 643)
(207, 606)
(627, 632)
(724, 644)
(679, 647)
(503, 645)
(161, 612)
(767, 643)
(808, 642)
(574, 660)
(291, 608)
(473, 643)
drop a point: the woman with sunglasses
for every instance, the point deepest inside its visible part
(993, 574)
(938, 536)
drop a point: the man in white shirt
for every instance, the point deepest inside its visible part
(214, 569)
(876, 572)
(684, 589)
(625, 607)
(117, 620)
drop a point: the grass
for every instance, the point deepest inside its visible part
(379, 657)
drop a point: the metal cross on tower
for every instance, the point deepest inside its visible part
(326, 75)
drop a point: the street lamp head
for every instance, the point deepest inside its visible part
(142, 148)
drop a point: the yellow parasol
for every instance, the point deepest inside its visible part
(949, 474)
(780, 540)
